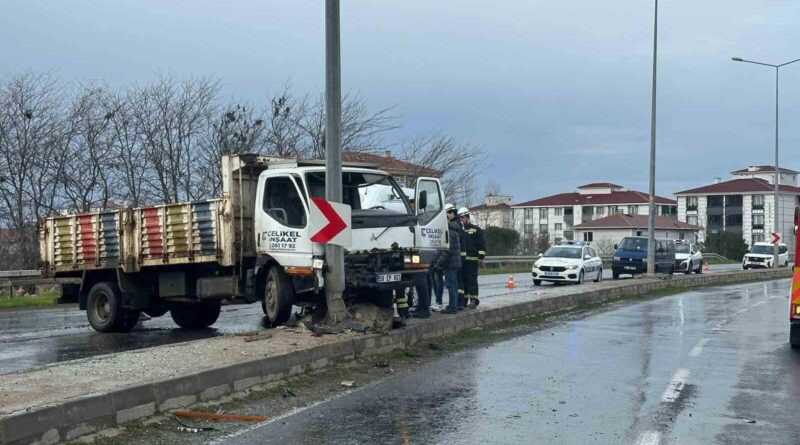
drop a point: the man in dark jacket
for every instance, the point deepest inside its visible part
(473, 250)
(450, 263)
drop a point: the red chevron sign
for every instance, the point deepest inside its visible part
(328, 224)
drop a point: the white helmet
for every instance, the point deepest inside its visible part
(449, 208)
(463, 211)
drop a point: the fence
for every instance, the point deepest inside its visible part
(14, 279)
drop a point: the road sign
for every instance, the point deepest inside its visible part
(776, 237)
(329, 222)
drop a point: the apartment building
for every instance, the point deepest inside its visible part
(744, 204)
(555, 216)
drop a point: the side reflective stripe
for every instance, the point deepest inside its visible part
(463, 253)
(473, 258)
(796, 284)
(481, 252)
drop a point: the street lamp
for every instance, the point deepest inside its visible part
(775, 251)
(651, 214)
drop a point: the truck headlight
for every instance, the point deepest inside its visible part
(407, 259)
(415, 259)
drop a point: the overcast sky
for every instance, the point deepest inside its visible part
(558, 91)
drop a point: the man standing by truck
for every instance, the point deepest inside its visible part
(473, 250)
(450, 263)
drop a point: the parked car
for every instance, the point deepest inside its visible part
(760, 255)
(568, 263)
(688, 258)
(630, 257)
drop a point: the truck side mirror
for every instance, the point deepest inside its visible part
(422, 202)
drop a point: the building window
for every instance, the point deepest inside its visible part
(558, 227)
(633, 210)
(558, 211)
(612, 210)
(733, 200)
(528, 229)
(640, 233)
(691, 203)
(600, 211)
(691, 219)
(758, 221)
(543, 213)
(681, 235)
(733, 220)
(588, 236)
(528, 213)
(758, 201)
(714, 201)
(758, 237)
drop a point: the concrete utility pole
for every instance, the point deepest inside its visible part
(651, 214)
(775, 249)
(334, 255)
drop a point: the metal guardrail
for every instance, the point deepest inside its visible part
(12, 279)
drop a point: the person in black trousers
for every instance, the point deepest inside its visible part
(473, 250)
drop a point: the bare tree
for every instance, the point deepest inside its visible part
(459, 163)
(172, 117)
(285, 132)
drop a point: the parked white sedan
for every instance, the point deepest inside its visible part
(568, 263)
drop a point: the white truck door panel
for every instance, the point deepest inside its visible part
(282, 221)
(431, 233)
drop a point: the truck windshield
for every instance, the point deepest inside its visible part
(366, 193)
(681, 248)
(766, 250)
(634, 244)
(563, 252)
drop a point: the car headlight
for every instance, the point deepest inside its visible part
(573, 266)
(536, 264)
(616, 258)
(644, 260)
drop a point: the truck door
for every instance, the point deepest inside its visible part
(431, 233)
(282, 221)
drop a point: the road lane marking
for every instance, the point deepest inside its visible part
(741, 311)
(675, 386)
(758, 304)
(649, 438)
(698, 348)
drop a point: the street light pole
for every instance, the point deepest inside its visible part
(775, 249)
(334, 255)
(651, 217)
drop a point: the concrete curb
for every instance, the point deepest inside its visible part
(77, 417)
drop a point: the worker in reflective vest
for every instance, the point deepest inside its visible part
(473, 250)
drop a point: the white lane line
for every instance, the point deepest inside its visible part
(649, 438)
(675, 386)
(741, 311)
(758, 304)
(698, 348)
(773, 297)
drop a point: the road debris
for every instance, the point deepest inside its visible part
(184, 428)
(748, 420)
(219, 416)
(255, 336)
(348, 383)
(288, 392)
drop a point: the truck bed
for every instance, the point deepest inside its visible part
(190, 232)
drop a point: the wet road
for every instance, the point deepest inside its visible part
(711, 366)
(33, 338)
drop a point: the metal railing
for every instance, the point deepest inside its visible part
(13, 279)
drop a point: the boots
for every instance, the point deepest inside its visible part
(473, 301)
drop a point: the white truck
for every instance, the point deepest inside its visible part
(251, 244)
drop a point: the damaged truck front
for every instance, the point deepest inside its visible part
(252, 244)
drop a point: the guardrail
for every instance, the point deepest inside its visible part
(12, 279)
(497, 262)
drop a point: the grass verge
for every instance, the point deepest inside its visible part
(42, 300)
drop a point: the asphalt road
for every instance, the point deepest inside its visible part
(708, 366)
(31, 338)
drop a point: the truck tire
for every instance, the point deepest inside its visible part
(794, 335)
(105, 311)
(156, 311)
(384, 298)
(195, 316)
(278, 296)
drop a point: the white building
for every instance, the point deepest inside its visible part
(606, 232)
(744, 205)
(555, 216)
(494, 212)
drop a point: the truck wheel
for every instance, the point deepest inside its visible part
(156, 311)
(105, 311)
(195, 316)
(278, 296)
(384, 298)
(794, 335)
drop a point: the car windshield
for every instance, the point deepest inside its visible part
(563, 252)
(681, 248)
(365, 193)
(634, 244)
(767, 250)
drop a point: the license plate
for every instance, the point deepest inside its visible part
(550, 274)
(630, 267)
(387, 277)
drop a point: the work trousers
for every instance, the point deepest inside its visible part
(469, 270)
(451, 281)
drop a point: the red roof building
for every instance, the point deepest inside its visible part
(403, 172)
(744, 205)
(604, 233)
(554, 216)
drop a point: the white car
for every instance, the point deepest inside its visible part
(760, 256)
(688, 258)
(568, 263)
